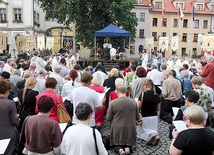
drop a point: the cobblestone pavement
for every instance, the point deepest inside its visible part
(141, 148)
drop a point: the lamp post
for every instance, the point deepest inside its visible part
(60, 31)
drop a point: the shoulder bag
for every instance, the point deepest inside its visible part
(95, 141)
(62, 114)
(140, 120)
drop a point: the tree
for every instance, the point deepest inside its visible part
(91, 15)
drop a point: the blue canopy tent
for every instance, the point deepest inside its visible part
(111, 31)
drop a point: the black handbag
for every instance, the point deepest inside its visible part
(21, 145)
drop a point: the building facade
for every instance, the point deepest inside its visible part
(165, 23)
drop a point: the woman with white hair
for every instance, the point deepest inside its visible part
(110, 83)
(196, 139)
(96, 84)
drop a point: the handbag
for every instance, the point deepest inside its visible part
(62, 114)
(22, 140)
(140, 120)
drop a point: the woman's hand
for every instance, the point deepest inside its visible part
(174, 133)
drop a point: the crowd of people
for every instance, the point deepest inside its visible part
(31, 89)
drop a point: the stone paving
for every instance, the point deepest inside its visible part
(141, 148)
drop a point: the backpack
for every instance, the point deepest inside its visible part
(205, 99)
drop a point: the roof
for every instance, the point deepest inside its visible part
(112, 31)
(169, 7)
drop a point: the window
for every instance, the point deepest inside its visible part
(138, 1)
(179, 4)
(37, 18)
(185, 23)
(205, 24)
(59, 33)
(199, 7)
(183, 51)
(154, 34)
(174, 34)
(195, 39)
(194, 50)
(59, 41)
(2, 14)
(17, 14)
(142, 17)
(141, 34)
(155, 22)
(212, 8)
(158, 5)
(164, 24)
(163, 34)
(66, 33)
(134, 13)
(52, 33)
(196, 24)
(175, 23)
(34, 16)
(184, 37)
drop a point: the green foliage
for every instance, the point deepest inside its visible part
(92, 15)
(195, 56)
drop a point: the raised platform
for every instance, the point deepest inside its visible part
(122, 64)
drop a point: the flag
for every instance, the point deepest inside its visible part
(163, 12)
(193, 13)
(180, 12)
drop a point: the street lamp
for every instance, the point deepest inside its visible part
(60, 31)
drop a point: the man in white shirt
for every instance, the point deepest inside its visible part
(86, 95)
(37, 60)
(58, 78)
(155, 75)
(40, 84)
(113, 52)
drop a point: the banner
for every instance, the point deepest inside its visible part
(164, 43)
(150, 43)
(67, 42)
(208, 43)
(3, 41)
(30, 43)
(200, 41)
(21, 43)
(175, 41)
(50, 43)
(40, 42)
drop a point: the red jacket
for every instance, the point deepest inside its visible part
(208, 74)
(53, 95)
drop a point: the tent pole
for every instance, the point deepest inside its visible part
(95, 47)
(129, 48)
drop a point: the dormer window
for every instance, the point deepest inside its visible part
(158, 5)
(179, 4)
(200, 7)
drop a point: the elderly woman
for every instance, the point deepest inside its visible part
(8, 117)
(196, 139)
(27, 98)
(48, 141)
(96, 84)
(50, 84)
(186, 82)
(123, 113)
(110, 83)
(149, 104)
(137, 84)
(78, 139)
